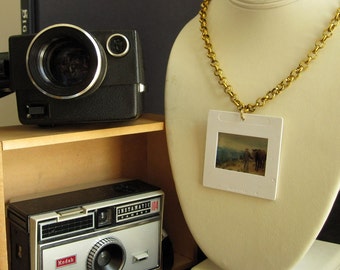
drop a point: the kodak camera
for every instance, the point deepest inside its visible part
(111, 227)
(64, 74)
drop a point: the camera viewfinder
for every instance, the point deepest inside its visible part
(104, 217)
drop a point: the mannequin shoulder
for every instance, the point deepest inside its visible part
(189, 35)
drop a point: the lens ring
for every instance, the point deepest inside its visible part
(118, 45)
(106, 254)
(64, 61)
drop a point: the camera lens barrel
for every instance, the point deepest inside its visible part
(106, 254)
(64, 62)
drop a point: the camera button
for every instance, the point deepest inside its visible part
(117, 45)
(140, 257)
(36, 110)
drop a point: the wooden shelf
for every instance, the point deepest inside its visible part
(36, 160)
(19, 137)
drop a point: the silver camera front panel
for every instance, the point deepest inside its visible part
(141, 245)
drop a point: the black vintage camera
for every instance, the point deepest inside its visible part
(64, 74)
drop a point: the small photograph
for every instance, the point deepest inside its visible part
(243, 156)
(241, 153)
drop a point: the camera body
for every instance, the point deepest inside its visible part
(64, 74)
(115, 226)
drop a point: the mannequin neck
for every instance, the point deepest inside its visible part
(261, 4)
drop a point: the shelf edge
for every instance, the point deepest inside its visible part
(145, 124)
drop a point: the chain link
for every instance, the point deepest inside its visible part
(285, 83)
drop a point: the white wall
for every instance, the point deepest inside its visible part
(9, 25)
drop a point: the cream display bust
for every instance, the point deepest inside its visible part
(257, 44)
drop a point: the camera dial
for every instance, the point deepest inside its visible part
(117, 45)
(64, 61)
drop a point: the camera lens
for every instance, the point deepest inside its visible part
(107, 254)
(64, 61)
(104, 258)
(117, 45)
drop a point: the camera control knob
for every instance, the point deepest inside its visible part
(117, 45)
(108, 253)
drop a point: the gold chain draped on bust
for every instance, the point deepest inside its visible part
(293, 75)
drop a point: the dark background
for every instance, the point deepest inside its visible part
(158, 23)
(331, 230)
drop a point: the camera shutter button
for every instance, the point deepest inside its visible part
(140, 257)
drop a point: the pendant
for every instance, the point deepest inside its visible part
(243, 155)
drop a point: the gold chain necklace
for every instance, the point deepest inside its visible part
(293, 75)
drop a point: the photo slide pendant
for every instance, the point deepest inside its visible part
(243, 156)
